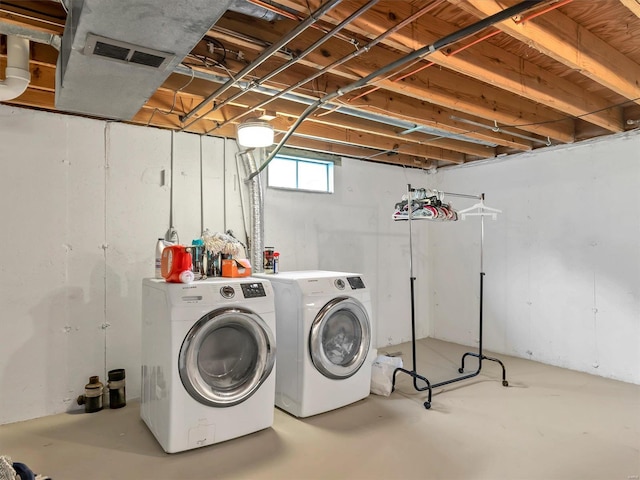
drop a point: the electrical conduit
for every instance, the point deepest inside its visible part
(262, 58)
(420, 53)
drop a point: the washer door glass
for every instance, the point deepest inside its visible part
(226, 356)
(340, 338)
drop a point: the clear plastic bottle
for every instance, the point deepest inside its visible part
(159, 247)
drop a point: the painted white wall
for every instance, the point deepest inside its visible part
(84, 202)
(562, 262)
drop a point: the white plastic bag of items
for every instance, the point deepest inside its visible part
(382, 374)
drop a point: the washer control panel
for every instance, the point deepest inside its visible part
(355, 282)
(253, 290)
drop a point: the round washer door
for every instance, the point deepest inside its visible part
(340, 338)
(226, 356)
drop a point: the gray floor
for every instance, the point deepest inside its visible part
(550, 423)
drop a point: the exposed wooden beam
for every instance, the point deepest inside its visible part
(380, 102)
(361, 153)
(352, 137)
(561, 38)
(485, 62)
(437, 86)
(35, 98)
(51, 21)
(633, 5)
(162, 105)
(337, 119)
(172, 121)
(398, 134)
(42, 77)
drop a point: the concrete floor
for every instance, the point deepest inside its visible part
(550, 423)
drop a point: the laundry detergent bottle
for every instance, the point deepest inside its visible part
(176, 264)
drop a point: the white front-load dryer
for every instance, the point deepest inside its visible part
(208, 360)
(325, 331)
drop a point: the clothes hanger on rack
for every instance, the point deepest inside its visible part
(479, 210)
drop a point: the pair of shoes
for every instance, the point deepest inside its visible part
(25, 473)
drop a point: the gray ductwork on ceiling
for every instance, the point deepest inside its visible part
(253, 10)
(116, 53)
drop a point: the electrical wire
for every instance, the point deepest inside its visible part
(582, 115)
(546, 122)
(212, 40)
(533, 124)
(175, 96)
(314, 90)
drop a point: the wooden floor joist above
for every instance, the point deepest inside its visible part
(562, 71)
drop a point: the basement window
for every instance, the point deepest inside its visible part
(297, 173)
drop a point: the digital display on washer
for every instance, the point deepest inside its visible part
(253, 290)
(355, 282)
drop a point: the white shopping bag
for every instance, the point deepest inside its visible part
(382, 374)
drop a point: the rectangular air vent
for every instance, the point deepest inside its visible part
(125, 52)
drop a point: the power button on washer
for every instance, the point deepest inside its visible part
(227, 291)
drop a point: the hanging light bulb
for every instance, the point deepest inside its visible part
(255, 133)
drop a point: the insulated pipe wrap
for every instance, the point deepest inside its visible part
(256, 204)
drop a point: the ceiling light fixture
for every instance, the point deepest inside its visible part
(255, 133)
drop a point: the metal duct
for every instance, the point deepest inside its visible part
(256, 203)
(116, 53)
(253, 10)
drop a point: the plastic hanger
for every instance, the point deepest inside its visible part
(479, 210)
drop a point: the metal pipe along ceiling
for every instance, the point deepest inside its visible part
(300, 56)
(264, 56)
(374, 117)
(335, 64)
(420, 53)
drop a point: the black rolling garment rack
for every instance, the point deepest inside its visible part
(432, 208)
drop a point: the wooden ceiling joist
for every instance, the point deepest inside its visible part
(487, 63)
(569, 72)
(564, 40)
(438, 86)
(633, 5)
(399, 106)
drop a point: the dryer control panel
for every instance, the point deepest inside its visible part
(355, 282)
(253, 290)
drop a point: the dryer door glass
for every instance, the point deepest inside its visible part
(340, 338)
(226, 356)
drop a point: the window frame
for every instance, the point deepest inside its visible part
(301, 159)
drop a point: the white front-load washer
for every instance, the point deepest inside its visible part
(324, 330)
(208, 360)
